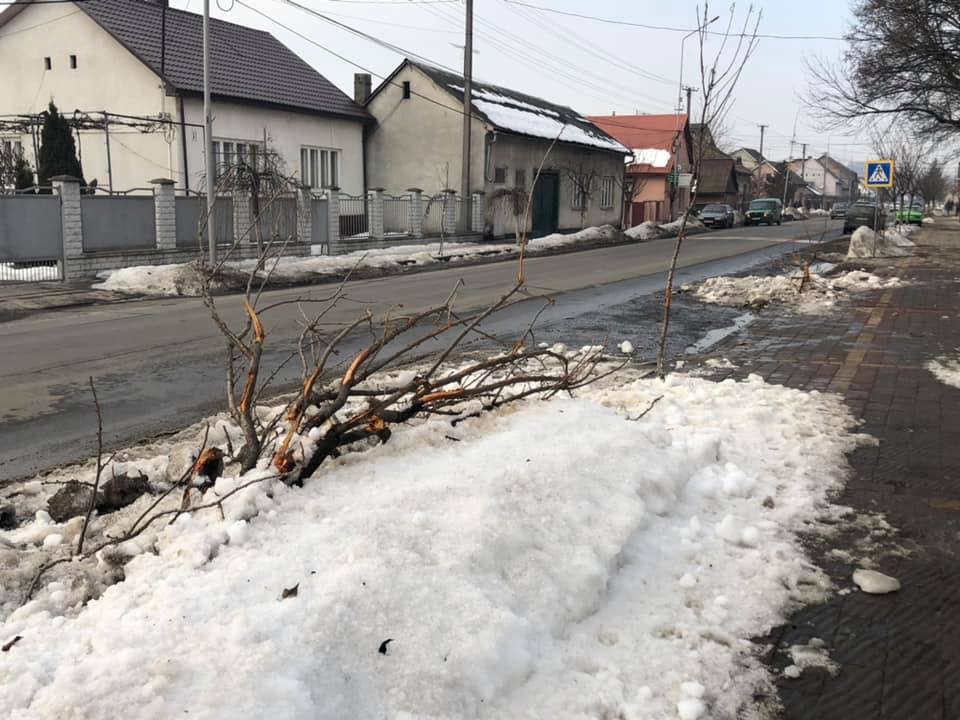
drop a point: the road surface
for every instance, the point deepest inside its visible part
(159, 364)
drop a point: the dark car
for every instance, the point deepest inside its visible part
(718, 215)
(767, 210)
(863, 213)
(839, 210)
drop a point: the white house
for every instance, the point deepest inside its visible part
(819, 177)
(128, 72)
(417, 143)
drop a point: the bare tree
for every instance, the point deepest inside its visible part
(901, 60)
(719, 75)
(910, 153)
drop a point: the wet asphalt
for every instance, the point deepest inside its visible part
(169, 371)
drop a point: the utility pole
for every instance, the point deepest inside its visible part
(208, 137)
(689, 90)
(467, 117)
(762, 130)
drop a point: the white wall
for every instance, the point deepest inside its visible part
(107, 77)
(515, 153)
(418, 142)
(110, 78)
(285, 131)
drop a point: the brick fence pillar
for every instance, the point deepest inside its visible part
(71, 220)
(243, 217)
(449, 219)
(415, 213)
(478, 211)
(165, 213)
(375, 213)
(304, 214)
(333, 219)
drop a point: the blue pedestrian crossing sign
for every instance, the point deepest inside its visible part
(879, 174)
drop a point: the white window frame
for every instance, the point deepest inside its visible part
(320, 166)
(227, 151)
(606, 192)
(11, 145)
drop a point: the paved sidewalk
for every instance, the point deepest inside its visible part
(19, 299)
(899, 655)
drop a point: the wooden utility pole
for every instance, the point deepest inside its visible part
(208, 137)
(467, 117)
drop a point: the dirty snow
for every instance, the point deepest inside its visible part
(648, 230)
(946, 370)
(818, 296)
(181, 279)
(865, 243)
(874, 582)
(812, 655)
(518, 574)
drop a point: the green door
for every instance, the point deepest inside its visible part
(546, 204)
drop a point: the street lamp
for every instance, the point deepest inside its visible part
(682, 42)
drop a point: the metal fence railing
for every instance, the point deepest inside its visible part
(434, 207)
(353, 215)
(395, 214)
(23, 271)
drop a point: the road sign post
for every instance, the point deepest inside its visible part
(877, 175)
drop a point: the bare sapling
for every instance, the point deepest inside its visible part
(719, 74)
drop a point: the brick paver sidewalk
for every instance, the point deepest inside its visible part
(899, 654)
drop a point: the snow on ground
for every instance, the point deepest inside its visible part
(181, 279)
(818, 296)
(865, 243)
(946, 370)
(516, 573)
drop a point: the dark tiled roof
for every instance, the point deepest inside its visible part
(755, 154)
(716, 176)
(710, 149)
(526, 110)
(246, 65)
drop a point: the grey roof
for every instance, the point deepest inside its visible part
(521, 114)
(247, 65)
(755, 154)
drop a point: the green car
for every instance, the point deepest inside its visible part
(912, 215)
(766, 210)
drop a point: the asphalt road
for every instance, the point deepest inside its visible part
(159, 364)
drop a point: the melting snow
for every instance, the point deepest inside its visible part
(946, 370)
(519, 573)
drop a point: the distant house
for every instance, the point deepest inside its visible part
(823, 187)
(750, 158)
(848, 182)
(719, 182)
(660, 170)
(140, 63)
(417, 143)
(703, 134)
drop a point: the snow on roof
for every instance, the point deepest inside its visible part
(655, 157)
(515, 112)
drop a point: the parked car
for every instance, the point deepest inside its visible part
(863, 213)
(718, 215)
(766, 210)
(839, 210)
(912, 215)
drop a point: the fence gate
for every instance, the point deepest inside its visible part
(31, 247)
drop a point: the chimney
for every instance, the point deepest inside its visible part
(362, 87)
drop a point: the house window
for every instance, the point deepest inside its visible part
(47, 63)
(228, 153)
(606, 193)
(578, 197)
(73, 62)
(406, 89)
(500, 175)
(11, 147)
(520, 178)
(319, 167)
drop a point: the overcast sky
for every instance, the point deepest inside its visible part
(594, 67)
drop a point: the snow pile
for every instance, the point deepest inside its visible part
(818, 296)
(514, 572)
(812, 655)
(672, 229)
(946, 370)
(865, 243)
(648, 230)
(875, 583)
(929, 221)
(818, 212)
(181, 279)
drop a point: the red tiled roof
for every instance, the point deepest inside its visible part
(642, 131)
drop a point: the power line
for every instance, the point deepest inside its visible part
(667, 28)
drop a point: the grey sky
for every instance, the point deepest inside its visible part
(594, 67)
